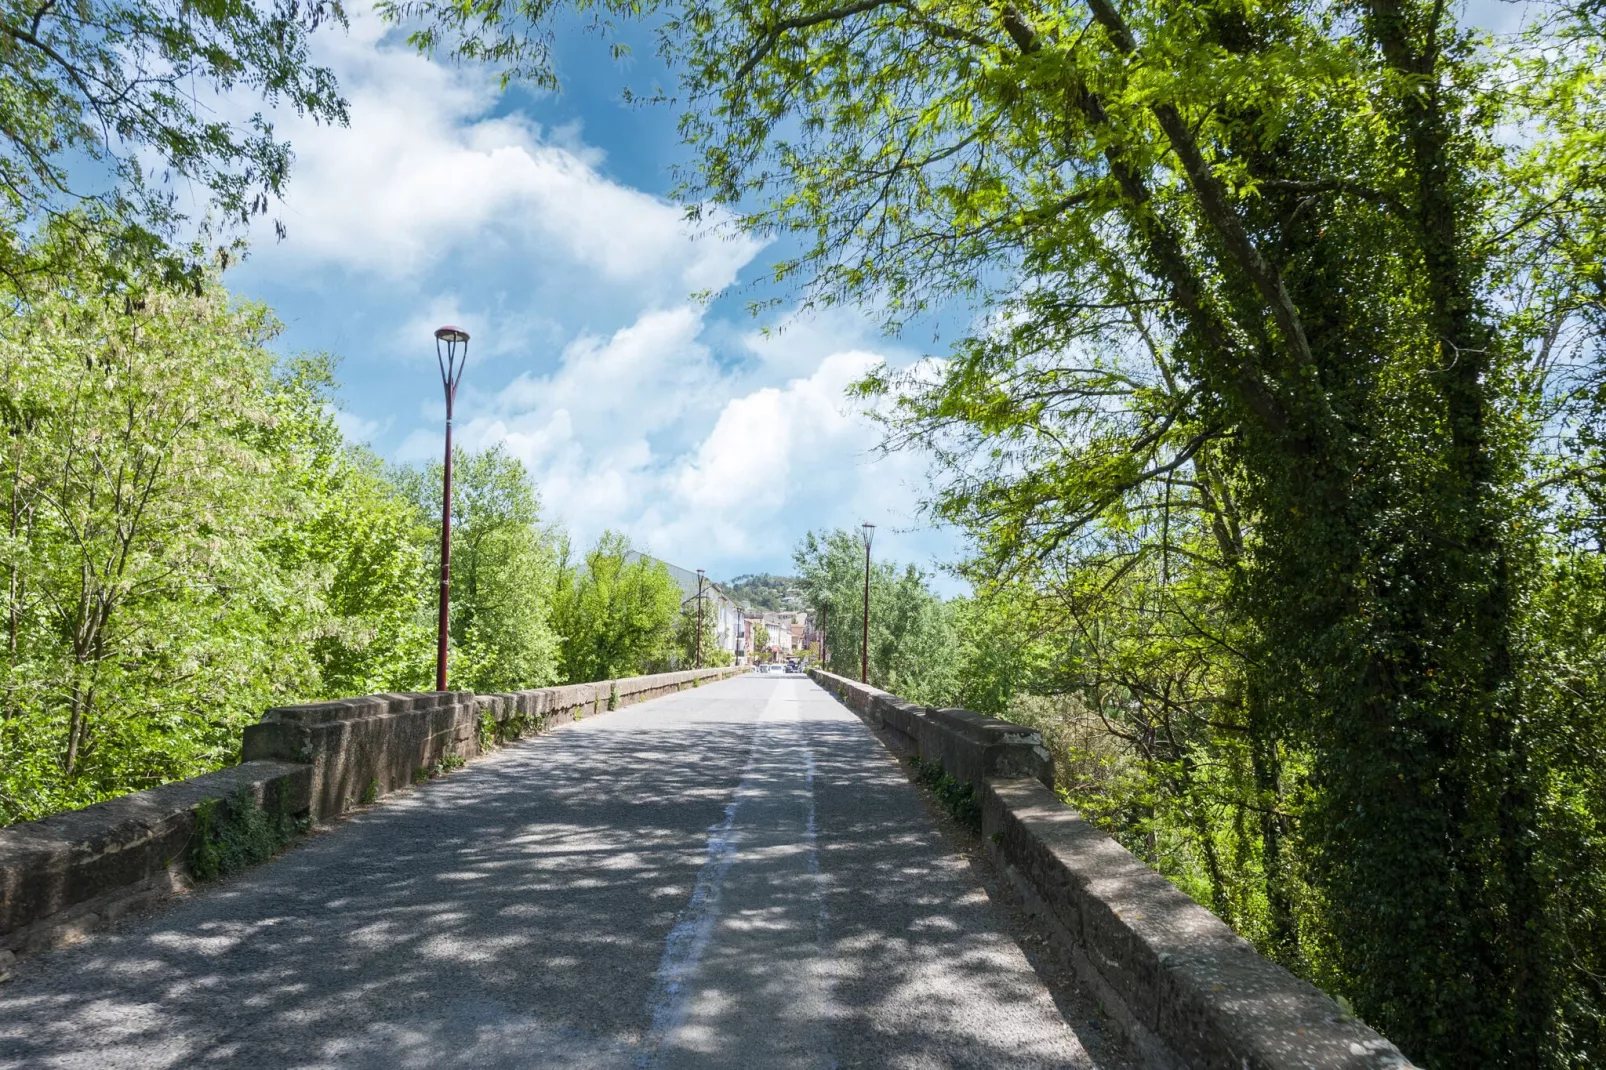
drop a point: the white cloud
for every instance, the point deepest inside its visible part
(595, 431)
(708, 443)
(425, 171)
(355, 428)
(644, 432)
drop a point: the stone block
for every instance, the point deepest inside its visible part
(98, 854)
(1177, 971)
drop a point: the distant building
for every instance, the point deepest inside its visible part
(788, 631)
(719, 607)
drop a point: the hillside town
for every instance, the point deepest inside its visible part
(751, 632)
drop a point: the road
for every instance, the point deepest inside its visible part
(733, 876)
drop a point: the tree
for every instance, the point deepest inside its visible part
(614, 611)
(504, 564)
(120, 91)
(683, 647)
(761, 642)
(911, 638)
(145, 615)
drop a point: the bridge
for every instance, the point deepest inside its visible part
(688, 871)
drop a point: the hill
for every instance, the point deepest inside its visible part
(765, 591)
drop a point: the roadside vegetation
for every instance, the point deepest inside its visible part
(188, 539)
(1277, 436)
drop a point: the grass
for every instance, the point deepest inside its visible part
(957, 797)
(234, 833)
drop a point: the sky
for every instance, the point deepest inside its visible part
(541, 225)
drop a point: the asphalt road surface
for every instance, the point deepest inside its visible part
(733, 876)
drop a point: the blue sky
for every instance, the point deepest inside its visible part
(541, 225)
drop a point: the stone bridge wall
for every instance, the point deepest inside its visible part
(1186, 989)
(71, 872)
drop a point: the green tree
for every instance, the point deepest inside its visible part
(504, 564)
(912, 643)
(362, 540)
(761, 642)
(145, 615)
(615, 611)
(683, 648)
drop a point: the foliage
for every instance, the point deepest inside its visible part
(911, 635)
(683, 650)
(503, 563)
(613, 611)
(234, 833)
(957, 797)
(144, 614)
(117, 93)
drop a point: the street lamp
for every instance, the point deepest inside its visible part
(864, 651)
(699, 618)
(451, 359)
(825, 621)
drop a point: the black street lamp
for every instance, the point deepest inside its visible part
(864, 651)
(451, 360)
(699, 618)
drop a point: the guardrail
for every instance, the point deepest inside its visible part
(72, 872)
(1187, 990)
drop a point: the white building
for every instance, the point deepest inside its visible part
(725, 613)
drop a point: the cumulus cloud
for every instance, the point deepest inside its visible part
(635, 408)
(426, 169)
(643, 431)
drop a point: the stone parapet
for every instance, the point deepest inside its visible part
(1187, 990)
(970, 746)
(72, 872)
(361, 749)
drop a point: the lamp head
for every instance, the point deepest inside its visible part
(869, 534)
(450, 334)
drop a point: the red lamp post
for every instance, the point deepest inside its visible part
(864, 649)
(451, 352)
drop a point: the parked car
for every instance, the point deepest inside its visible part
(793, 665)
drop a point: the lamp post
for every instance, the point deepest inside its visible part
(864, 650)
(825, 620)
(451, 359)
(699, 618)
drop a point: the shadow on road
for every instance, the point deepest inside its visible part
(516, 913)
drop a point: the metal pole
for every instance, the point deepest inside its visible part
(446, 552)
(864, 651)
(825, 619)
(699, 618)
(451, 374)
